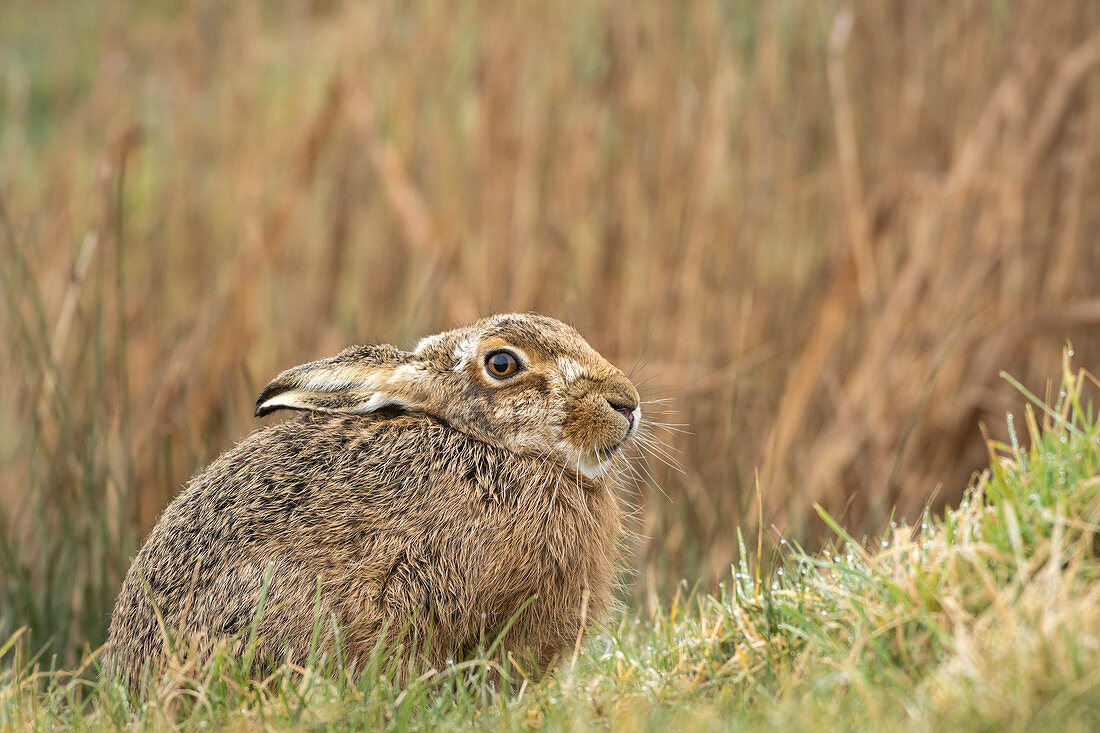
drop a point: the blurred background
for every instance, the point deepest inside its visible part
(819, 230)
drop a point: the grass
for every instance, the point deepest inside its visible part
(986, 617)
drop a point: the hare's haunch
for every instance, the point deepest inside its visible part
(432, 495)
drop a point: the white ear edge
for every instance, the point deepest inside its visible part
(292, 401)
(286, 400)
(379, 400)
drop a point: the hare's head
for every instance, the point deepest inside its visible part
(525, 382)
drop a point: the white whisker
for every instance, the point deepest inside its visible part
(665, 459)
(661, 448)
(645, 467)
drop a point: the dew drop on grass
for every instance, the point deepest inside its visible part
(885, 543)
(779, 571)
(775, 586)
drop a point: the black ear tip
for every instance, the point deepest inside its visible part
(269, 391)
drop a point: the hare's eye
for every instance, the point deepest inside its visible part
(501, 364)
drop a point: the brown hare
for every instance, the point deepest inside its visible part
(433, 496)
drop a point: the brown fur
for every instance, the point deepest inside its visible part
(416, 495)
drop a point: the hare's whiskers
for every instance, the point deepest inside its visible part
(647, 444)
(665, 449)
(673, 427)
(661, 450)
(646, 468)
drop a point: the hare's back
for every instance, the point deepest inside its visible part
(315, 496)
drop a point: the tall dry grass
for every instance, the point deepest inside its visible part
(819, 229)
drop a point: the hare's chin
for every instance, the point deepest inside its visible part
(593, 469)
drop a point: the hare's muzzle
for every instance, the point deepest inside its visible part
(622, 397)
(601, 414)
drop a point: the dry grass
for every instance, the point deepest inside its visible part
(821, 233)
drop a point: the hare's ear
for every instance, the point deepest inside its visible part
(358, 380)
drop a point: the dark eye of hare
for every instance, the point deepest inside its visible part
(501, 364)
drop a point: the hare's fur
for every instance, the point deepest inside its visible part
(415, 499)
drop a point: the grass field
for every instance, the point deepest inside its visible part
(819, 230)
(987, 617)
